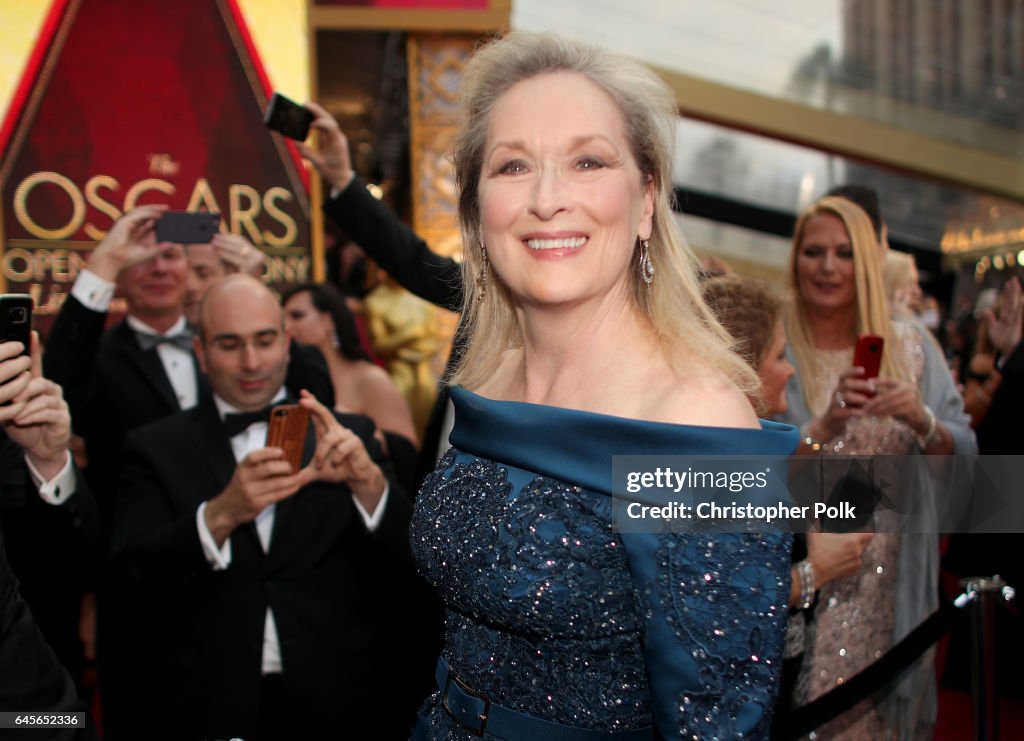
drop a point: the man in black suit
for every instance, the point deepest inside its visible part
(31, 677)
(47, 515)
(143, 368)
(267, 583)
(1000, 431)
(140, 370)
(395, 247)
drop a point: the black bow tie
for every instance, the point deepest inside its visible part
(148, 340)
(238, 422)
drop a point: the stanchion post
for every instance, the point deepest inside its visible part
(984, 700)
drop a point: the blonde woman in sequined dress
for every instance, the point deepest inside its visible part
(836, 273)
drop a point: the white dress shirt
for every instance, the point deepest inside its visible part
(57, 490)
(253, 438)
(95, 293)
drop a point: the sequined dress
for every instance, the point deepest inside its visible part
(853, 620)
(552, 614)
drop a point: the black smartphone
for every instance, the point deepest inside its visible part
(187, 227)
(288, 118)
(16, 319)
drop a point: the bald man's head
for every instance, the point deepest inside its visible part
(241, 344)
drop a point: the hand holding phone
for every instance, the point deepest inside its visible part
(288, 118)
(868, 355)
(15, 326)
(16, 319)
(287, 430)
(187, 227)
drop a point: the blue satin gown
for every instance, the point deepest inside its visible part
(552, 614)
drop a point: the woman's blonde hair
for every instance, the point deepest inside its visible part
(872, 303)
(673, 304)
(900, 274)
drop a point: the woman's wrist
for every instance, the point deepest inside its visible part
(928, 429)
(805, 578)
(816, 433)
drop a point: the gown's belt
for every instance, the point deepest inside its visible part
(477, 714)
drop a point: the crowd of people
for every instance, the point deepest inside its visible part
(461, 578)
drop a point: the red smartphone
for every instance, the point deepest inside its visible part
(287, 430)
(868, 355)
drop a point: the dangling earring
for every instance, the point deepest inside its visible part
(646, 268)
(482, 280)
(335, 342)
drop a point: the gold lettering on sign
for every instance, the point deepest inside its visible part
(269, 198)
(25, 188)
(92, 195)
(163, 164)
(244, 217)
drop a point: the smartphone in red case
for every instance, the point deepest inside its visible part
(868, 355)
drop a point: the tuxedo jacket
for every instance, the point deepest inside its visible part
(50, 548)
(411, 262)
(112, 385)
(395, 247)
(999, 432)
(325, 577)
(31, 677)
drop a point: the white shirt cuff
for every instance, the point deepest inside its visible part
(92, 291)
(218, 558)
(372, 522)
(58, 489)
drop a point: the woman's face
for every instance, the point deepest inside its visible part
(824, 265)
(562, 201)
(775, 370)
(914, 294)
(305, 322)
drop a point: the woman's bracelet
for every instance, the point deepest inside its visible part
(817, 446)
(805, 573)
(933, 427)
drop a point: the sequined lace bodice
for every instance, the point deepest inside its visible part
(536, 586)
(869, 435)
(545, 611)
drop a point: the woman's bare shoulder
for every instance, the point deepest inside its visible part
(708, 400)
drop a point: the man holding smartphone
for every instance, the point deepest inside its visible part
(267, 583)
(115, 380)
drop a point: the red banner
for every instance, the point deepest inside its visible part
(411, 4)
(128, 102)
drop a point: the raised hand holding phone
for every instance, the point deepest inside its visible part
(288, 118)
(187, 227)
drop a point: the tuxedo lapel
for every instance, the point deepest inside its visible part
(213, 448)
(212, 444)
(147, 363)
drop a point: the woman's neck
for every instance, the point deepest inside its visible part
(833, 330)
(578, 357)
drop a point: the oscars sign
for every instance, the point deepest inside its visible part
(126, 103)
